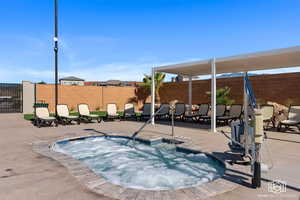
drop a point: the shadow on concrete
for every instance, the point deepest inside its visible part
(95, 131)
(283, 140)
(240, 177)
(263, 179)
(182, 124)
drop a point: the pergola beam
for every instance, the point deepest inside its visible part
(213, 96)
(263, 60)
(153, 95)
(190, 94)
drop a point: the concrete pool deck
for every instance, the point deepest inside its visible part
(25, 174)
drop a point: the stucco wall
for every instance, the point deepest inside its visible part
(95, 96)
(28, 97)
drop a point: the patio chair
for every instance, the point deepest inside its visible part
(129, 111)
(179, 111)
(43, 117)
(235, 113)
(111, 111)
(163, 112)
(220, 111)
(203, 110)
(64, 116)
(268, 115)
(84, 113)
(146, 111)
(293, 118)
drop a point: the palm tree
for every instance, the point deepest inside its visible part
(158, 79)
(222, 95)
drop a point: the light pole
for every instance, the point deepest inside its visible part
(56, 52)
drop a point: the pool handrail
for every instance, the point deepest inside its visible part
(146, 123)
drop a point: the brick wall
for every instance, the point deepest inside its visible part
(280, 88)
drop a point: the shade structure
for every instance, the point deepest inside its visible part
(272, 59)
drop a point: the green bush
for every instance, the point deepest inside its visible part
(222, 95)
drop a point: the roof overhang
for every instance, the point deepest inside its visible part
(273, 59)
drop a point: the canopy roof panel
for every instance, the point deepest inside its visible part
(273, 59)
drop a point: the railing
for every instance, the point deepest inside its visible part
(146, 123)
(10, 98)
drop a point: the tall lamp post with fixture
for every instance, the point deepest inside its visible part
(56, 52)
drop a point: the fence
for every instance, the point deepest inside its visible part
(280, 88)
(10, 98)
(96, 97)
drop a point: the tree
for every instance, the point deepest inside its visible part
(42, 82)
(222, 95)
(158, 79)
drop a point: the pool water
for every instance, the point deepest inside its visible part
(141, 166)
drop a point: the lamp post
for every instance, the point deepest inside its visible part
(56, 52)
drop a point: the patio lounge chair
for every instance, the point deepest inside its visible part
(235, 113)
(179, 111)
(220, 111)
(63, 115)
(84, 113)
(43, 117)
(164, 111)
(129, 111)
(268, 115)
(146, 111)
(203, 110)
(111, 111)
(293, 118)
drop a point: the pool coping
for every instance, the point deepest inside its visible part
(97, 184)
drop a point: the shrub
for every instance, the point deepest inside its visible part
(223, 96)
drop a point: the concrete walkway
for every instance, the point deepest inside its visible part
(27, 175)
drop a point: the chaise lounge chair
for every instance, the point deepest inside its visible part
(179, 111)
(64, 116)
(111, 111)
(129, 111)
(84, 113)
(163, 112)
(203, 110)
(220, 111)
(146, 111)
(293, 118)
(268, 115)
(43, 117)
(235, 113)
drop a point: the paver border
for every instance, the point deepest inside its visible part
(99, 185)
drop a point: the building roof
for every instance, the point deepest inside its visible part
(272, 59)
(71, 78)
(112, 83)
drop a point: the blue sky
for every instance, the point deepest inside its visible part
(110, 39)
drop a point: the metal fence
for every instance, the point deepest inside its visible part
(11, 98)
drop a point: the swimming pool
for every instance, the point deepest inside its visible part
(142, 166)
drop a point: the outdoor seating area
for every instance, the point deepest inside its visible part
(150, 100)
(292, 120)
(225, 115)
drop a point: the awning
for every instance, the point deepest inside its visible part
(273, 59)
